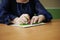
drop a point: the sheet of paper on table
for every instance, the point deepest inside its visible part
(29, 25)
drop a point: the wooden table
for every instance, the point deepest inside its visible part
(50, 31)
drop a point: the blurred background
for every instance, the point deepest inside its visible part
(53, 6)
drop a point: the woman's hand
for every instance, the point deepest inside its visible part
(16, 20)
(38, 19)
(23, 19)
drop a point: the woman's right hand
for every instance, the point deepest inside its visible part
(23, 19)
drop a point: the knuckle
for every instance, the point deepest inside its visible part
(26, 14)
(35, 16)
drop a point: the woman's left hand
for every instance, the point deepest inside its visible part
(38, 19)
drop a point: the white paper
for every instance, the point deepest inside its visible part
(17, 25)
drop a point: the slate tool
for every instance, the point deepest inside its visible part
(27, 25)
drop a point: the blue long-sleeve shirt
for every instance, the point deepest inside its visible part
(10, 9)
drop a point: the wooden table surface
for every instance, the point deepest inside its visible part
(49, 31)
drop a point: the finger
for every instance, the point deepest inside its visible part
(28, 20)
(24, 19)
(26, 16)
(40, 20)
(32, 20)
(18, 22)
(35, 20)
(22, 22)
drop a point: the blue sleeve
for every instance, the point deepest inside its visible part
(5, 15)
(40, 10)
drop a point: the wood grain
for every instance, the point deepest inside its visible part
(50, 31)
